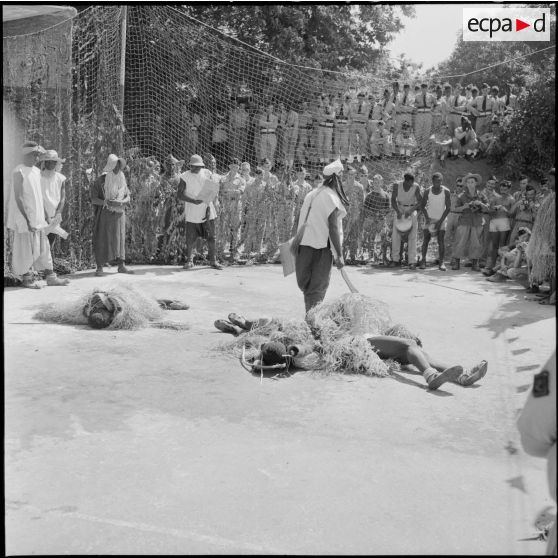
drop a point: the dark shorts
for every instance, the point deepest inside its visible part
(205, 230)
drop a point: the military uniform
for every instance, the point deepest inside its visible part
(342, 130)
(423, 120)
(360, 110)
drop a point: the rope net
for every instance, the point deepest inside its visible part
(190, 89)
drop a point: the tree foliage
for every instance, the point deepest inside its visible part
(468, 57)
(529, 139)
(332, 37)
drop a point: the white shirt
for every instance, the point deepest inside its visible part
(326, 200)
(51, 186)
(194, 183)
(32, 201)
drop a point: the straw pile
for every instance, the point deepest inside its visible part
(337, 332)
(134, 310)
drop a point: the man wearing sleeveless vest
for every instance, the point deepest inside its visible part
(436, 205)
(405, 200)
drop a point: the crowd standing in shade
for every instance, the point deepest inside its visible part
(393, 122)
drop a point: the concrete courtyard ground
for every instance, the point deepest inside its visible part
(151, 442)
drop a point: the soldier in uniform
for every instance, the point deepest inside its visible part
(238, 123)
(359, 122)
(537, 428)
(403, 108)
(325, 130)
(457, 107)
(423, 120)
(485, 107)
(304, 133)
(437, 111)
(342, 129)
(267, 125)
(353, 235)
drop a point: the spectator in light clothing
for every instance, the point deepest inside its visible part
(441, 141)
(26, 218)
(464, 141)
(320, 222)
(436, 205)
(453, 217)
(405, 200)
(200, 217)
(470, 204)
(53, 186)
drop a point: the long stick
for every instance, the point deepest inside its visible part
(352, 288)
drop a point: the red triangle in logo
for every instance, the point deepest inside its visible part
(519, 25)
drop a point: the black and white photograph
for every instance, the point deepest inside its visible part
(279, 278)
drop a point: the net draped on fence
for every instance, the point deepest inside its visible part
(187, 89)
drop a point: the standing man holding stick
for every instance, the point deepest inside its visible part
(321, 235)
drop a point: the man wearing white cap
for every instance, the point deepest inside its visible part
(110, 196)
(320, 235)
(200, 216)
(26, 218)
(53, 186)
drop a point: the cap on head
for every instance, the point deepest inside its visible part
(112, 160)
(51, 155)
(196, 161)
(333, 168)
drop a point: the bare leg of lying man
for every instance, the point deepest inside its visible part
(406, 351)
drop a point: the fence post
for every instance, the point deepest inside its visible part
(123, 31)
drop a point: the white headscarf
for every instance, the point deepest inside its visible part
(115, 187)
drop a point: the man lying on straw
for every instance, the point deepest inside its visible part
(118, 307)
(339, 340)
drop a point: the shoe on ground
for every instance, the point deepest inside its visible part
(497, 278)
(99, 273)
(227, 327)
(422, 265)
(487, 272)
(55, 281)
(468, 264)
(188, 265)
(31, 284)
(216, 265)
(469, 377)
(442, 267)
(533, 289)
(413, 267)
(394, 264)
(124, 269)
(451, 374)
(239, 321)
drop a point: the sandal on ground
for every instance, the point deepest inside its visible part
(54, 281)
(448, 375)
(124, 269)
(239, 321)
(469, 377)
(216, 265)
(227, 327)
(30, 285)
(99, 273)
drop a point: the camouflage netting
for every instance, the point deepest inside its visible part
(182, 85)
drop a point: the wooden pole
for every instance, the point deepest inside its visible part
(123, 31)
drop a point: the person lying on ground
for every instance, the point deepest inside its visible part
(404, 351)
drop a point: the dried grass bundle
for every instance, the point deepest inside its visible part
(134, 310)
(353, 355)
(540, 250)
(400, 330)
(352, 313)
